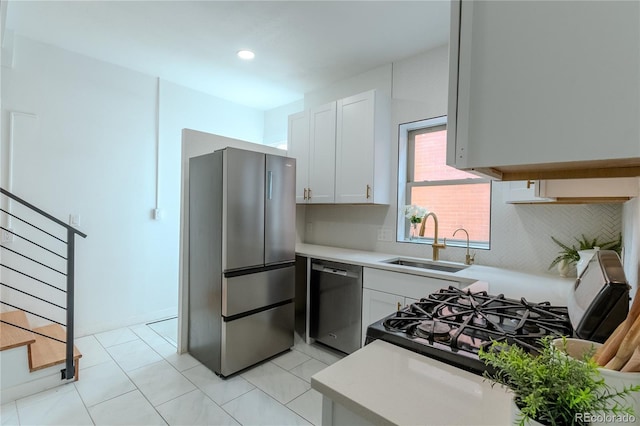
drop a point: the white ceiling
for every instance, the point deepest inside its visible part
(300, 45)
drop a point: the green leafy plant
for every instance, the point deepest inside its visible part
(571, 255)
(553, 388)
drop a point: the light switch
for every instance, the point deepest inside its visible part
(74, 220)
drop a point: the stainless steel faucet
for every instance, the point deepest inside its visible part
(468, 260)
(436, 246)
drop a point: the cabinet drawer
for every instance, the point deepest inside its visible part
(407, 285)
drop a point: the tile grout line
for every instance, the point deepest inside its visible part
(139, 337)
(121, 369)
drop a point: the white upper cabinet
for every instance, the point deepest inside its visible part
(312, 142)
(572, 191)
(362, 149)
(322, 147)
(343, 151)
(524, 192)
(544, 89)
(298, 148)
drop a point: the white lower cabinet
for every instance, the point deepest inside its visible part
(377, 305)
(385, 292)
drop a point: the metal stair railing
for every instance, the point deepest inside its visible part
(44, 219)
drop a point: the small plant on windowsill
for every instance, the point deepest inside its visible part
(552, 388)
(415, 214)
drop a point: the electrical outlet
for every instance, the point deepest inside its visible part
(309, 228)
(385, 234)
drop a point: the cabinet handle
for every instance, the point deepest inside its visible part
(305, 194)
(368, 192)
(309, 194)
(399, 306)
(529, 183)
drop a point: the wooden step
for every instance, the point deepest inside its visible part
(46, 352)
(13, 337)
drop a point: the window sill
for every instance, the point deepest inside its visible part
(450, 243)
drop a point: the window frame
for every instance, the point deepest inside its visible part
(406, 156)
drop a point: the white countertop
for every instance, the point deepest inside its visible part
(513, 284)
(386, 384)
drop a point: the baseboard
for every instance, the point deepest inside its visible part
(47, 379)
(89, 329)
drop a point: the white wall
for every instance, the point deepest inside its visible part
(520, 235)
(92, 151)
(377, 78)
(276, 123)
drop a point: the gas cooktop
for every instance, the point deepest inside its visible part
(451, 325)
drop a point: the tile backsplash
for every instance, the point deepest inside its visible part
(520, 234)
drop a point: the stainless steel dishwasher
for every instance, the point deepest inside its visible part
(335, 316)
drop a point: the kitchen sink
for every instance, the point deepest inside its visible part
(436, 266)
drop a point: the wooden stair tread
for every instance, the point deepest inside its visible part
(46, 352)
(13, 337)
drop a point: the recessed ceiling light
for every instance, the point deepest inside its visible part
(246, 54)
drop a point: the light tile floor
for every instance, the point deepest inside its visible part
(133, 376)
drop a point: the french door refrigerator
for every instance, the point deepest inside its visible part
(241, 258)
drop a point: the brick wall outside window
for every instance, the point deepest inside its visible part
(457, 206)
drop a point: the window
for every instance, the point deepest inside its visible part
(459, 199)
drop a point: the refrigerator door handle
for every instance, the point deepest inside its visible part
(269, 185)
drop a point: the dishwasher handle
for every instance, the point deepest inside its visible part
(328, 269)
(334, 271)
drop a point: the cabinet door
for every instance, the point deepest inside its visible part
(540, 83)
(377, 305)
(355, 149)
(524, 191)
(298, 148)
(322, 157)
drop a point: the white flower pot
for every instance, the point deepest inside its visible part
(576, 348)
(563, 268)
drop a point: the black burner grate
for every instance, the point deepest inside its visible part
(465, 321)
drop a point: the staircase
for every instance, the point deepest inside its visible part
(30, 356)
(37, 254)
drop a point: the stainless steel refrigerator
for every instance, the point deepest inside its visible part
(241, 258)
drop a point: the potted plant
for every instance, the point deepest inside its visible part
(551, 388)
(415, 214)
(569, 256)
